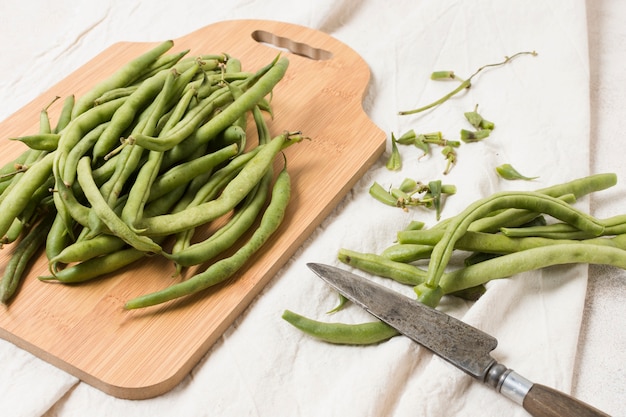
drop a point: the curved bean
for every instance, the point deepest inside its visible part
(342, 333)
(18, 197)
(65, 115)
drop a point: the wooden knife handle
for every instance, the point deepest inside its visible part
(542, 401)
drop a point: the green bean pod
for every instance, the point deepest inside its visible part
(342, 333)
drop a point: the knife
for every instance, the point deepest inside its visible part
(462, 345)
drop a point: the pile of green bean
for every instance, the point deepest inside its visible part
(502, 235)
(135, 167)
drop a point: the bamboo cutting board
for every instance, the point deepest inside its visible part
(84, 330)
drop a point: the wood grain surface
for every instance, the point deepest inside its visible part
(84, 330)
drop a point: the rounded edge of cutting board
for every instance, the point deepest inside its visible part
(345, 99)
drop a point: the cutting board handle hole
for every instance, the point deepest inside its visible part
(289, 45)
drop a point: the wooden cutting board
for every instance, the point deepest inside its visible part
(84, 329)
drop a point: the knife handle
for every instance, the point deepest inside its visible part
(542, 401)
(537, 399)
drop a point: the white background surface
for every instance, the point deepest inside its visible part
(558, 115)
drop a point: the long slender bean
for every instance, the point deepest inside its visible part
(342, 333)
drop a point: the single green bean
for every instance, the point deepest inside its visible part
(96, 267)
(58, 237)
(40, 141)
(342, 333)
(541, 257)
(65, 115)
(86, 249)
(14, 202)
(383, 267)
(226, 267)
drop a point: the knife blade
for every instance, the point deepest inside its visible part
(462, 345)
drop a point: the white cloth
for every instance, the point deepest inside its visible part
(262, 366)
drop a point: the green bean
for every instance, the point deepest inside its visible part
(342, 333)
(430, 293)
(226, 267)
(541, 257)
(228, 234)
(115, 94)
(383, 267)
(58, 237)
(106, 214)
(407, 252)
(18, 197)
(263, 131)
(96, 267)
(86, 249)
(612, 226)
(233, 193)
(23, 255)
(65, 115)
(122, 77)
(40, 141)
(14, 232)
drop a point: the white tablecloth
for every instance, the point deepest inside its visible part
(557, 115)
